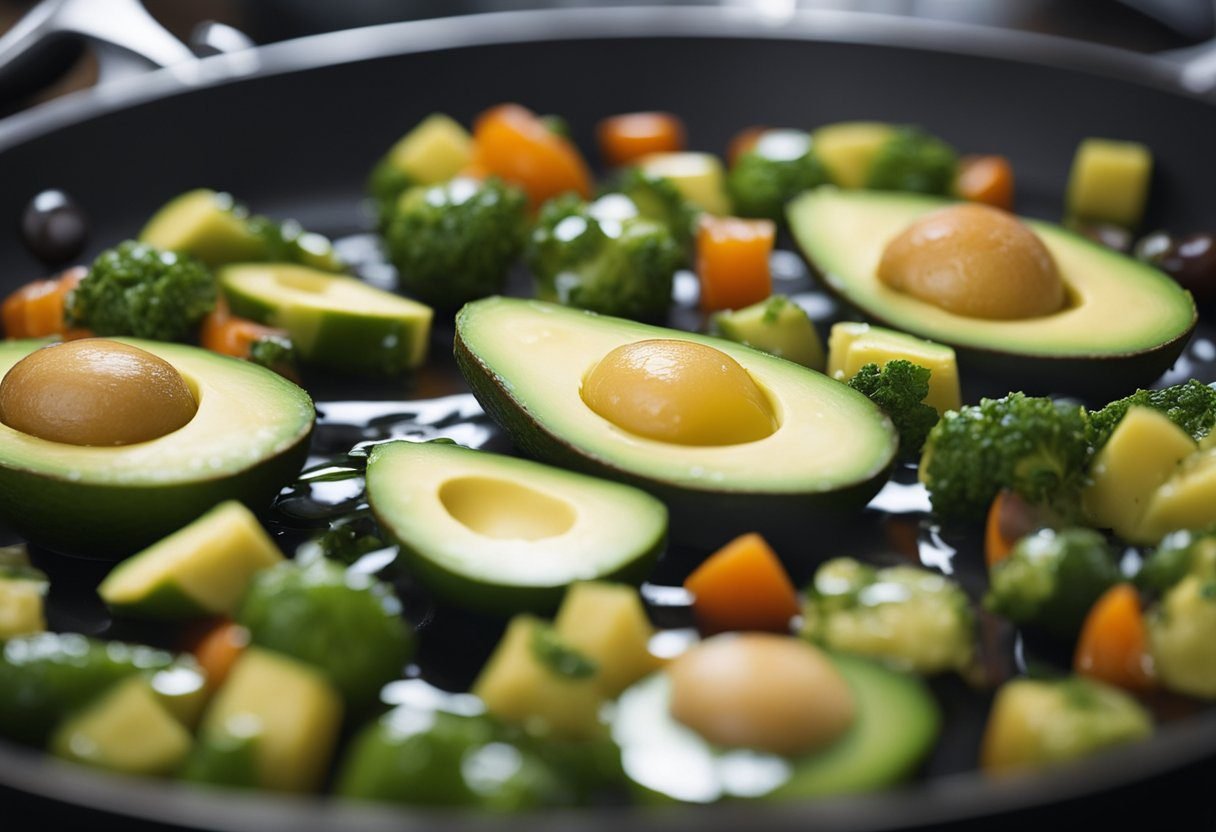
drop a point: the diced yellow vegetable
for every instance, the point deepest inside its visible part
(1143, 452)
(607, 623)
(291, 710)
(1186, 500)
(20, 608)
(848, 149)
(434, 151)
(851, 346)
(1109, 182)
(699, 177)
(517, 686)
(1180, 638)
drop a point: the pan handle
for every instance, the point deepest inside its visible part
(125, 37)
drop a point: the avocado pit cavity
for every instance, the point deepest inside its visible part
(506, 510)
(976, 261)
(680, 392)
(95, 392)
(764, 691)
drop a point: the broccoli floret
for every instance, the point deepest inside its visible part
(135, 289)
(275, 352)
(909, 617)
(591, 256)
(1180, 554)
(288, 242)
(386, 184)
(1190, 405)
(913, 160)
(1031, 445)
(1052, 578)
(780, 166)
(899, 388)
(659, 200)
(453, 243)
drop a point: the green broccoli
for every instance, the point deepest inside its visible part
(907, 616)
(1190, 405)
(1052, 578)
(596, 256)
(135, 289)
(1180, 554)
(657, 199)
(275, 352)
(347, 625)
(1034, 446)
(899, 388)
(453, 243)
(782, 165)
(913, 160)
(385, 185)
(288, 242)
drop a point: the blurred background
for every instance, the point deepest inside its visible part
(1140, 25)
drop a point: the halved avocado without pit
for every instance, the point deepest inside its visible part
(501, 535)
(1124, 324)
(829, 453)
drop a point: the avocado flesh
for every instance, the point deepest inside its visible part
(525, 361)
(248, 438)
(896, 724)
(1124, 318)
(501, 534)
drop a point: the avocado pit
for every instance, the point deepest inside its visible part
(680, 392)
(95, 392)
(976, 261)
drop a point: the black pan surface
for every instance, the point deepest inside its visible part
(294, 128)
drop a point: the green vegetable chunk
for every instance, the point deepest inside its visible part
(900, 388)
(913, 160)
(603, 256)
(216, 229)
(1052, 578)
(1180, 554)
(434, 758)
(46, 676)
(347, 625)
(782, 165)
(453, 243)
(1180, 638)
(135, 289)
(434, 151)
(1037, 723)
(1190, 405)
(911, 618)
(1031, 445)
(777, 325)
(659, 200)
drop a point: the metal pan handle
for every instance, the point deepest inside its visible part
(125, 37)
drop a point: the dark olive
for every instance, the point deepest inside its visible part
(54, 228)
(1189, 259)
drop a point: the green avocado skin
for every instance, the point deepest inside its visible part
(130, 518)
(699, 519)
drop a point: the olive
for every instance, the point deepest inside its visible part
(54, 228)
(1189, 259)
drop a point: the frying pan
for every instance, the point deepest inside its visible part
(293, 128)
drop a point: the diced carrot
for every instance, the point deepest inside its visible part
(630, 136)
(997, 546)
(743, 142)
(225, 333)
(36, 310)
(1010, 518)
(986, 179)
(218, 648)
(1113, 645)
(743, 586)
(510, 141)
(733, 261)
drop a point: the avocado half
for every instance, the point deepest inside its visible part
(525, 362)
(896, 725)
(1125, 325)
(503, 535)
(248, 438)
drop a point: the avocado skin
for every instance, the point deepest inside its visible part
(126, 519)
(699, 519)
(1097, 379)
